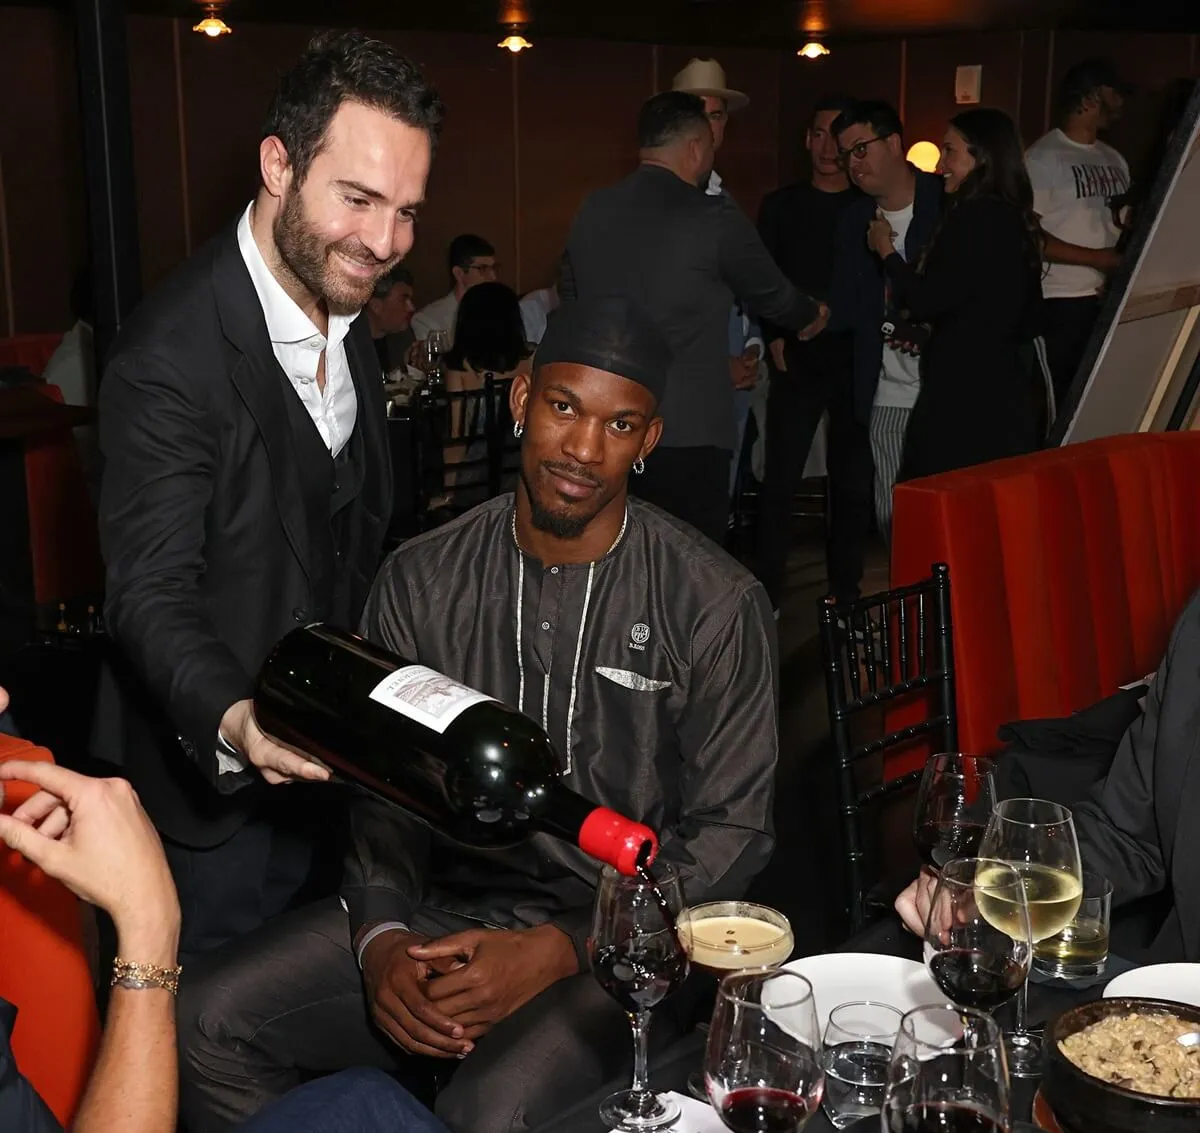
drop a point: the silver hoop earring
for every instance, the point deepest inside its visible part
(639, 466)
(518, 429)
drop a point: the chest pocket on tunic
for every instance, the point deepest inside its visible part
(642, 706)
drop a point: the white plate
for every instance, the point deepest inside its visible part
(1180, 982)
(839, 977)
(695, 1116)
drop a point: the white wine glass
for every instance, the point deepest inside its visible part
(1037, 838)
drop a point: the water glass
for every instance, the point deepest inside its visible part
(1081, 949)
(857, 1048)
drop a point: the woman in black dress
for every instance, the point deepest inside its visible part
(978, 289)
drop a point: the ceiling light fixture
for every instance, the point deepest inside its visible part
(514, 42)
(212, 25)
(813, 49)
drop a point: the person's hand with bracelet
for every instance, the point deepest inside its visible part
(94, 837)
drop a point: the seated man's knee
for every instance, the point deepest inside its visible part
(211, 1015)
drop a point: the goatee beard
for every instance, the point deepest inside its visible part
(562, 525)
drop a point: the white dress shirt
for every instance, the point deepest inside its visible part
(298, 346)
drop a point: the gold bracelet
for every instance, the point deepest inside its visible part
(139, 977)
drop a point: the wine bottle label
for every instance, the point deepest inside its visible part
(426, 696)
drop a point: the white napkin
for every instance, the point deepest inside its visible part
(695, 1116)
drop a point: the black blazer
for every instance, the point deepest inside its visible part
(857, 300)
(1139, 828)
(205, 527)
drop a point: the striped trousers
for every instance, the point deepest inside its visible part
(888, 425)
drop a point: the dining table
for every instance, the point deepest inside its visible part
(670, 1067)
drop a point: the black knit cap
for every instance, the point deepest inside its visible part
(609, 334)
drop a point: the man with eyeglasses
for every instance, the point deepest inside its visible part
(471, 260)
(870, 141)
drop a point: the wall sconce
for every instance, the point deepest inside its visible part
(514, 41)
(212, 25)
(924, 155)
(813, 49)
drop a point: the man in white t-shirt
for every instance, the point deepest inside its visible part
(1075, 179)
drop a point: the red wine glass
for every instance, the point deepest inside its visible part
(954, 805)
(978, 945)
(636, 957)
(947, 1074)
(762, 1065)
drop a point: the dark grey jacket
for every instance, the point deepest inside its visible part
(654, 671)
(684, 257)
(1141, 827)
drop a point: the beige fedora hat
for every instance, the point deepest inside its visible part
(707, 77)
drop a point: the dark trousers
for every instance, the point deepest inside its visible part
(289, 998)
(691, 484)
(286, 852)
(354, 1101)
(795, 403)
(1066, 327)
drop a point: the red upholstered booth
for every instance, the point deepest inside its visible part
(64, 540)
(29, 350)
(1067, 570)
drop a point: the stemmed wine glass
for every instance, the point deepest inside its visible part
(636, 957)
(947, 1074)
(762, 1064)
(977, 938)
(436, 345)
(954, 803)
(1037, 839)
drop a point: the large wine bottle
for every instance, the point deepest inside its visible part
(471, 767)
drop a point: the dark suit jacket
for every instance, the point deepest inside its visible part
(1141, 827)
(207, 520)
(684, 257)
(857, 304)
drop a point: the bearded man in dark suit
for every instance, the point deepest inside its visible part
(246, 486)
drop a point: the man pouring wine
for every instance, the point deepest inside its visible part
(648, 657)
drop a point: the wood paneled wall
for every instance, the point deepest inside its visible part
(525, 137)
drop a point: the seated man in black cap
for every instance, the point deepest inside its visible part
(649, 657)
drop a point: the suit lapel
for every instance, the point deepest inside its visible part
(256, 376)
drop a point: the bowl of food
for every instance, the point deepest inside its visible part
(1116, 1066)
